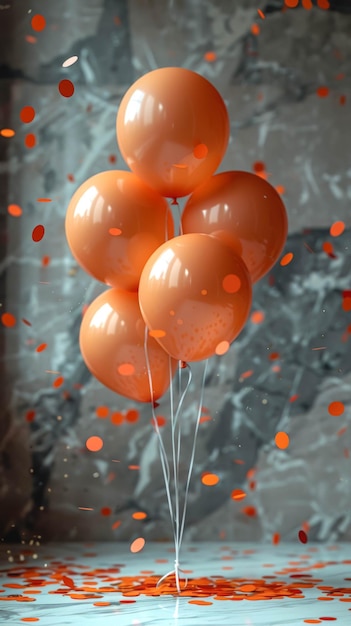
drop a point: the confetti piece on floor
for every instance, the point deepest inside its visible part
(38, 233)
(66, 88)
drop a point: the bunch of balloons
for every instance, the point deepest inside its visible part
(172, 298)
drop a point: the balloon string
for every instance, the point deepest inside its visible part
(191, 465)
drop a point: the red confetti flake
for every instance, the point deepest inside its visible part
(249, 511)
(27, 114)
(323, 4)
(209, 479)
(238, 494)
(30, 415)
(8, 320)
(94, 443)
(307, 4)
(342, 100)
(38, 233)
(257, 317)
(105, 511)
(117, 418)
(139, 515)
(66, 88)
(291, 4)
(137, 545)
(336, 408)
(25, 322)
(14, 210)
(246, 374)
(323, 92)
(286, 259)
(38, 22)
(255, 29)
(210, 56)
(346, 303)
(276, 539)
(231, 283)
(161, 421)
(45, 261)
(282, 440)
(328, 248)
(261, 14)
(112, 158)
(341, 431)
(71, 178)
(44, 200)
(274, 356)
(337, 229)
(58, 382)
(7, 132)
(116, 524)
(280, 189)
(294, 397)
(31, 39)
(41, 347)
(132, 415)
(102, 411)
(68, 582)
(259, 166)
(30, 140)
(302, 536)
(134, 467)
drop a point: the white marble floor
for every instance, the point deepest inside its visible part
(237, 584)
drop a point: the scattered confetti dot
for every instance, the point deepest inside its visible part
(66, 88)
(38, 22)
(286, 259)
(291, 4)
(323, 92)
(160, 420)
(58, 382)
(132, 415)
(231, 283)
(112, 158)
(280, 189)
(102, 411)
(137, 545)
(15, 210)
(257, 317)
(210, 56)
(115, 231)
(255, 29)
(157, 333)
(70, 61)
(261, 14)
(323, 4)
(106, 511)
(27, 114)
(250, 511)
(31, 39)
(342, 100)
(117, 418)
(126, 369)
(8, 320)
(258, 166)
(328, 248)
(282, 440)
(337, 229)
(200, 151)
(41, 347)
(209, 479)
(29, 619)
(44, 199)
(45, 261)
(336, 408)
(94, 443)
(302, 536)
(30, 140)
(38, 233)
(200, 602)
(67, 580)
(276, 539)
(222, 347)
(238, 494)
(7, 132)
(139, 515)
(307, 4)
(30, 415)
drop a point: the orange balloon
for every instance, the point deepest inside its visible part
(112, 336)
(195, 296)
(113, 223)
(247, 210)
(173, 130)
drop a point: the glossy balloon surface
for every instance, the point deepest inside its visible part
(195, 296)
(111, 340)
(246, 208)
(113, 223)
(173, 130)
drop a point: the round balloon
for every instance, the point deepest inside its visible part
(246, 208)
(112, 337)
(113, 223)
(173, 129)
(195, 296)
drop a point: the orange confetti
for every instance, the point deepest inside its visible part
(280, 189)
(210, 56)
(58, 382)
(337, 229)
(117, 418)
(94, 443)
(231, 283)
(286, 259)
(41, 347)
(102, 411)
(200, 151)
(161, 421)
(8, 320)
(7, 132)
(257, 317)
(126, 369)
(27, 114)
(246, 374)
(139, 515)
(31, 39)
(259, 166)
(137, 545)
(45, 261)
(66, 88)
(323, 4)
(157, 333)
(255, 29)
(30, 140)
(30, 415)
(238, 494)
(261, 14)
(116, 524)
(282, 440)
(323, 92)
(328, 248)
(222, 347)
(291, 4)
(336, 408)
(68, 581)
(38, 233)
(132, 415)
(307, 4)
(14, 210)
(38, 22)
(209, 479)
(44, 200)
(276, 539)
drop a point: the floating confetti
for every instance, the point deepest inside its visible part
(282, 440)
(15, 210)
(157, 333)
(261, 14)
(222, 347)
(44, 199)
(139, 515)
(132, 415)
(8, 320)
(337, 229)
(94, 443)
(160, 421)
(27, 114)
(38, 233)
(328, 248)
(257, 317)
(58, 382)
(323, 4)
(117, 418)
(275, 539)
(102, 411)
(30, 140)
(200, 151)
(307, 4)
(255, 29)
(210, 56)
(291, 4)
(336, 408)
(302, 536)
(7, 132)
(38, 22)
(323, 92)
(249, 511)
(105, 511)
(137, 545)
(342, 100)
(41, 347)
(286, 259)
(209, 479)
(30, 415)
(66, 88)
(238, 494)
(70, 61)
